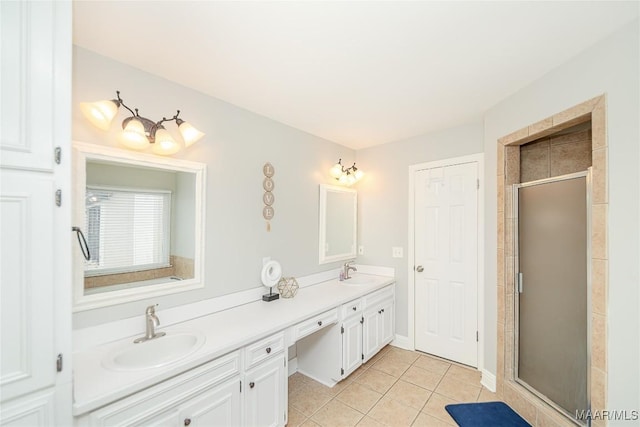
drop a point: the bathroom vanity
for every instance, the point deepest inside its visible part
(231, 367)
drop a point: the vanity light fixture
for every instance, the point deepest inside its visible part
(346, 176)
(139, 132)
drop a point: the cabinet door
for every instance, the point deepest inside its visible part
(371, 333)
(26, 289)
(219, 406)
(27, 84)
(387, 324)
(266, 394)
(351, 345)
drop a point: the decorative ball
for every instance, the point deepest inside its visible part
(288, 287)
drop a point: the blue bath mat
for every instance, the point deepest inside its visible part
(485, 414)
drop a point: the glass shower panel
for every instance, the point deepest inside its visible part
(552, 339)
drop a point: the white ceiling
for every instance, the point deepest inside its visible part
(359, 73)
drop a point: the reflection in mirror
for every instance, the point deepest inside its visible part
(338, 217)
(142, 220)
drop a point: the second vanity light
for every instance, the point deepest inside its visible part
(346, 176)
(140, 132)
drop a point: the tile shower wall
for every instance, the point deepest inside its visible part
(555, 155)
(180, 267)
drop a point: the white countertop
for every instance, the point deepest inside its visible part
(225, 331)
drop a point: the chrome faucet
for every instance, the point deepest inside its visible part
(347, 268)
(152, 322)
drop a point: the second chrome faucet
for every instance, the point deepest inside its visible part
(152, 322)
(347, 268)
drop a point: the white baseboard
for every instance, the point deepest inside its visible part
(488, 380)
(293, 366)
(401, 341)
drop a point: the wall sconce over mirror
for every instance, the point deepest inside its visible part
(139, 132)
(346, 176)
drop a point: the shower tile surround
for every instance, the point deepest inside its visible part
(180, 267)
(552, 156)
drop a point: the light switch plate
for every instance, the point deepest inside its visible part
(396, 252)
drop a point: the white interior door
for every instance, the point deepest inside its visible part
(446, 262)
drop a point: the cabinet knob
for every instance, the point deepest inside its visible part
(268, 350)
(319, 322)
(379, 311)
(187, 421)
(354, 308)
(252, 384)
(382, 311)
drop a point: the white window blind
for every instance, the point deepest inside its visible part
(127, 230)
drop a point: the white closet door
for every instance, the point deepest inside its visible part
(446, 259)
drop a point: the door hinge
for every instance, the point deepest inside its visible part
(362, 356)
(57, 155)
(362, 320)
(477, 184)
(285, 363)
(342, 329)
(240, 386)
(58, 197)
(59, 363)
(341, 371)
(477, 339)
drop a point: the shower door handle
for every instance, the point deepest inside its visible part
(520, 282)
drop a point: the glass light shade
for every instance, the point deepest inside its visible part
(189, 134)
(343, 179)
(336, 171)
(164, 143)
(351, 179)
(133, 135)
(100, 113)
(359, 174)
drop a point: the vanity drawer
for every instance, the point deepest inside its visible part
(263, 349)
(314, 324)
(377, 296)
(351, 308)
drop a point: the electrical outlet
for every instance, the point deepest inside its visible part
(360, 250)
(396, 252)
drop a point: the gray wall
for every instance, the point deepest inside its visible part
(236, 145)
(383, 199)
(609, 67)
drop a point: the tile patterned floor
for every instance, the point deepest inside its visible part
(395, 388)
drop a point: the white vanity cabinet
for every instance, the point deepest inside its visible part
(351, 331)
(265, 383)
(206, 395)
(365, 326)
(378, 325)
(245, 387)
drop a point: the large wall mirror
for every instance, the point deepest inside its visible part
(338, 223)
(139, 223)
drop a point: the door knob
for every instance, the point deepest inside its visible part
(419, 269)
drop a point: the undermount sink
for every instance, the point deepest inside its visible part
(358, 280)
(154, 353)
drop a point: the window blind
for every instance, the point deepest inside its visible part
(127, 230)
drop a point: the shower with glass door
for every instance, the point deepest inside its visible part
(552, 295)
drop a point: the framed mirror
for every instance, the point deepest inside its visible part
(139, 221)
(338, 223)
